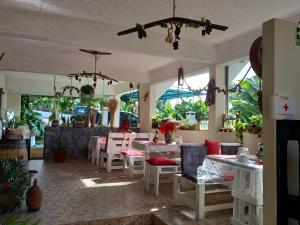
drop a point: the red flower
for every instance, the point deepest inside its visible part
(124, 127)
(168, 127)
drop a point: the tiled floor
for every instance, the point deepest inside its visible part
(77, 191)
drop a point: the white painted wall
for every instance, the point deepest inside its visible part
(281, 70)
(14, 102)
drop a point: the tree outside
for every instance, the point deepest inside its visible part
(245, 103)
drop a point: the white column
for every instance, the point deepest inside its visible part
(117, 114)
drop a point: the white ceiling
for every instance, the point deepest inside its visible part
(44, 36)
(239, 15)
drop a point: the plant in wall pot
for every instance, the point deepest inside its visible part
(59, 152)
(239, 129)
(14, 181)
(255, 125)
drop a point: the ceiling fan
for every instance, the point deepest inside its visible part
(174, 25)
(95, 75)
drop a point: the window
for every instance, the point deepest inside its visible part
(184, 105)
(244, 101)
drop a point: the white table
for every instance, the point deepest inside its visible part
(150, 147)
(247, 190)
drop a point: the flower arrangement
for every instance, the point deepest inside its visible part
(168, 127)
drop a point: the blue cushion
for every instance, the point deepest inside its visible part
(192, 156)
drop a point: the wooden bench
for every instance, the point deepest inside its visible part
(192, 156)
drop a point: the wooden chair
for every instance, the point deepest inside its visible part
(116, 142)
(133, 164)
(192, 156)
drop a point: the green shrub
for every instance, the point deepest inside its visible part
(14, 181)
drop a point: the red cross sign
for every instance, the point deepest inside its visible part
(286, 107)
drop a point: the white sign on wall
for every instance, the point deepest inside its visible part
(284, 107)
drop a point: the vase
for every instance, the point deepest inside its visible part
(168, 138)
(93, 116)
(34, 197)
(59, 156)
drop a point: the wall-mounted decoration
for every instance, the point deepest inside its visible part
(173, 26)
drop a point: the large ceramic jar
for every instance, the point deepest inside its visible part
(34, 197)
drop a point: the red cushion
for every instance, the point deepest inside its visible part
(161, 161)
(132, 153)
(213, 147)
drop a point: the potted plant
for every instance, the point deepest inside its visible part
(16, 219)
(168, 127)
(14, 181)
(87, 90)
(239, 129)
(78, 121)
(255, 125)
(59, 152)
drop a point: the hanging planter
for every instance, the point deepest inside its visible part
(87, 90)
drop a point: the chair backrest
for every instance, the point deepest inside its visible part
(117, 142)
(127, 142)
(144, 136)
(114, 142)
(230, 148)
(192, 156)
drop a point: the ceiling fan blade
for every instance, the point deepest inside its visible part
(173, 19)
(2, 55)
(94, 52)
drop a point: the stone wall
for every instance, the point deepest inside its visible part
(74, 140)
